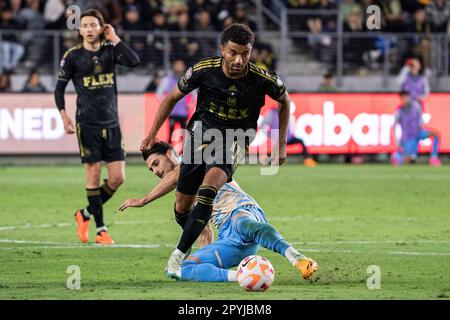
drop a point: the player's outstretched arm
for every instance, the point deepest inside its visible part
(123, 54)
(162, 114)
(284, 103)
(167, 184)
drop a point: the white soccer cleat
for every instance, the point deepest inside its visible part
(173, 268)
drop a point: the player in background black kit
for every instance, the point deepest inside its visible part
(231, 94)
(91, 67)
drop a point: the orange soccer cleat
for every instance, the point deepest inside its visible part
(306, 266)
(309, 162)
(83, 227)
(103, 238)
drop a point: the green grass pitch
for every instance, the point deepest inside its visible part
(345, 217)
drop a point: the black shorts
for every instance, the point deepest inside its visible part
(100, 144)
(198, 160)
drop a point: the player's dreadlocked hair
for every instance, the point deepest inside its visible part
(160, 147)
(238, 33)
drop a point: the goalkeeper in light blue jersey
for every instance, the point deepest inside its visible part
(239, 219)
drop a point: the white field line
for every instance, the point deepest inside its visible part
(303, 243)
(121, 222)
(65, 224)
(59, 246)
(363, 242)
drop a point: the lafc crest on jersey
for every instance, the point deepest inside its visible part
(232, 98)
(97, 65)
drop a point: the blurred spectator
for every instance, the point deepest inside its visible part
(438, 13)
(413, 79)
(299, 24)
(328, 21)
(221, 11)
(408, 117)
(16, 5)
(173, 8)
(228, 21)
(155, 81)
(240, 16)
(350, 7)
(30, 18)
(133, 22)
(207, 45)
(323, 46)
(11, 51)
(263, 56)
(180, 112)
(197, 6)
(421, 44)
(155, 5)
(155, 42)
(144, 8)
(354, 48)
(110, 9)
(54, 14)
(327, 84)
(393, 16)
(33, 84)
(5, 82)
(182, 44)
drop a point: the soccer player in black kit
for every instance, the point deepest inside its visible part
(231, 93)
(90, 65)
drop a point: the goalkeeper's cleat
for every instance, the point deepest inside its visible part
(173, 268)
(306, 266)
(103, 238)
(82, 227)
(309, 162)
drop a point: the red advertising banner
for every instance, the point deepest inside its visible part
(328, 123)
(31, 124)
(359, 123)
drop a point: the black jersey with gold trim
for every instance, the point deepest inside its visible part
(223, 102)
(94, 79)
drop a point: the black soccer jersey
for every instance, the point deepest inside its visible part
(229, 103)
(94, 79)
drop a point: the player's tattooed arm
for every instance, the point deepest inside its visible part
(167, 184)
(162, 114)
(283, 114)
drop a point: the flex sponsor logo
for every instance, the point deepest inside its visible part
(99, 80)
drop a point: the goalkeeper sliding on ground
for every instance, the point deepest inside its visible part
(240, 221)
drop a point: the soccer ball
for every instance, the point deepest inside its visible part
(255, 273)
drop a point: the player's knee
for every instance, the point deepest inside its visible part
(116, 181)
(93, 179)
(215, 178)
(182, 207)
